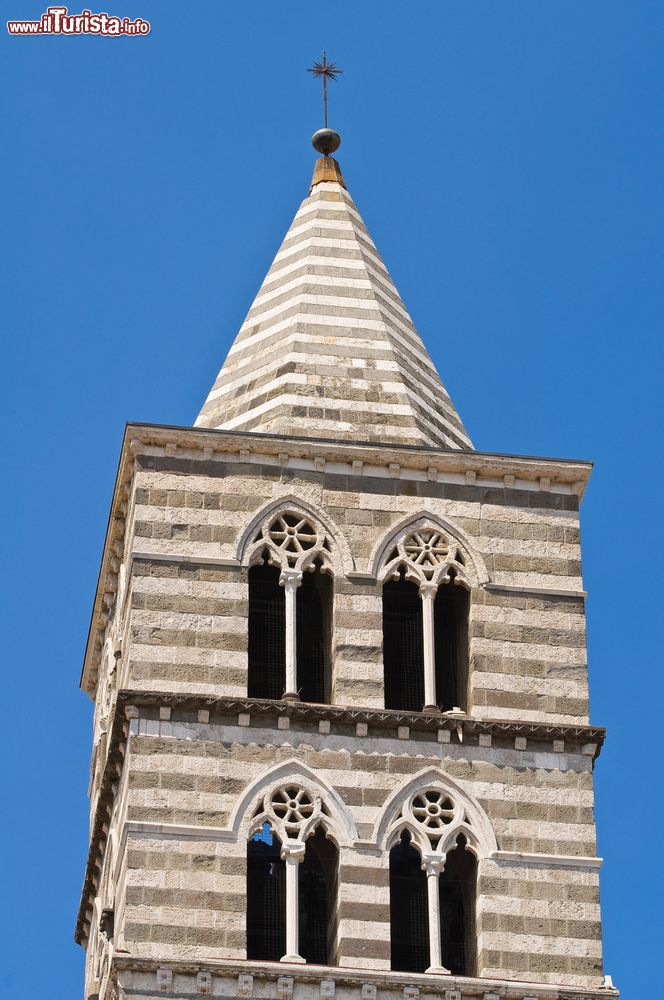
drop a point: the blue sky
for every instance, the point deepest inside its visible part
(507, 159)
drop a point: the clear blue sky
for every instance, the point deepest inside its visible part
(507, 159)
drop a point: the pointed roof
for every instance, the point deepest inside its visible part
(327, 349)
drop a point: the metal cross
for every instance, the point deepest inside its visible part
(326, 70)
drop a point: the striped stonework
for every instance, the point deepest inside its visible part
(328, 348)
(326, 371)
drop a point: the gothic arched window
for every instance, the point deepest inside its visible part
(433, 885)
(290, 610)
(292, 874)
(425, 622)
(266, 897)
(409, 915)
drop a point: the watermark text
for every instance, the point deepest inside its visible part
(58, 21)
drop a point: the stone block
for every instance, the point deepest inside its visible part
(361, 729)
(245, 985)
(368, 991)
(520, 742)
(165, 713)
(244, 719)
(285, 988)
(164, 979)
(559, 746)
(283, 722)
(204, 716)
(485, 739)
(403, 732)
(324, 727)
(444, 735)
(204, 983)
(327, 988)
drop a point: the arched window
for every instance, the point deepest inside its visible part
(403, 645)
(425, 623)
(433, 885)
(409, 915)
(292, 874)
(317, 900)
(266, 897)
(451, 609)
(456, 886)
(314, 623)
(290, 610)
(267, 633)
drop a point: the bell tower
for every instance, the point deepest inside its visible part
(341, 741)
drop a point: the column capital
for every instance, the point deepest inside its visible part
(290, 578)
(428, 590)
(292, 850)
(433, 864)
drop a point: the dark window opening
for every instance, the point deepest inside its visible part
(266, 897)
(314, 628)
(317, 900)
(267, 633)
(409, 910)
(403, 646)
(451, 644)
(457, 886)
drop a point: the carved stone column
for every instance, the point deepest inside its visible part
(292, 852)
(433, 865)
(290, 580)
(428, 594)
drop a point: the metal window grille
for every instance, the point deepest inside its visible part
(403, 646)
(314, 604)
(451, 644)
(266, 899)
(457, 890)
(409, 909)
(267, 633)
(317, 879)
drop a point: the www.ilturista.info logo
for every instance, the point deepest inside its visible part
(58, 21)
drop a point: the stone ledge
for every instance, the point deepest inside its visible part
(377, 718)
(139, 977)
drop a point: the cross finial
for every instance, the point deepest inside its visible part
(327, 70)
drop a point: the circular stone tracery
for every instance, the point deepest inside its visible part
(426, 548)
(293, 806)
(433, 810)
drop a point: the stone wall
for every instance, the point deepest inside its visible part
(187, 614)
(538, 916)
(168, 848)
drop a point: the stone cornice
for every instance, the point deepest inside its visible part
(474, 468)
(379, 718)
(586, 740)
(237, 978)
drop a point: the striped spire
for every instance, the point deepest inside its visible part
(328, 349)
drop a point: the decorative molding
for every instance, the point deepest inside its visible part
(327, 542)
(428, 546)
(369, 983)
(436, 810)
(555, 860)
(536, 591)
(308, 790)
